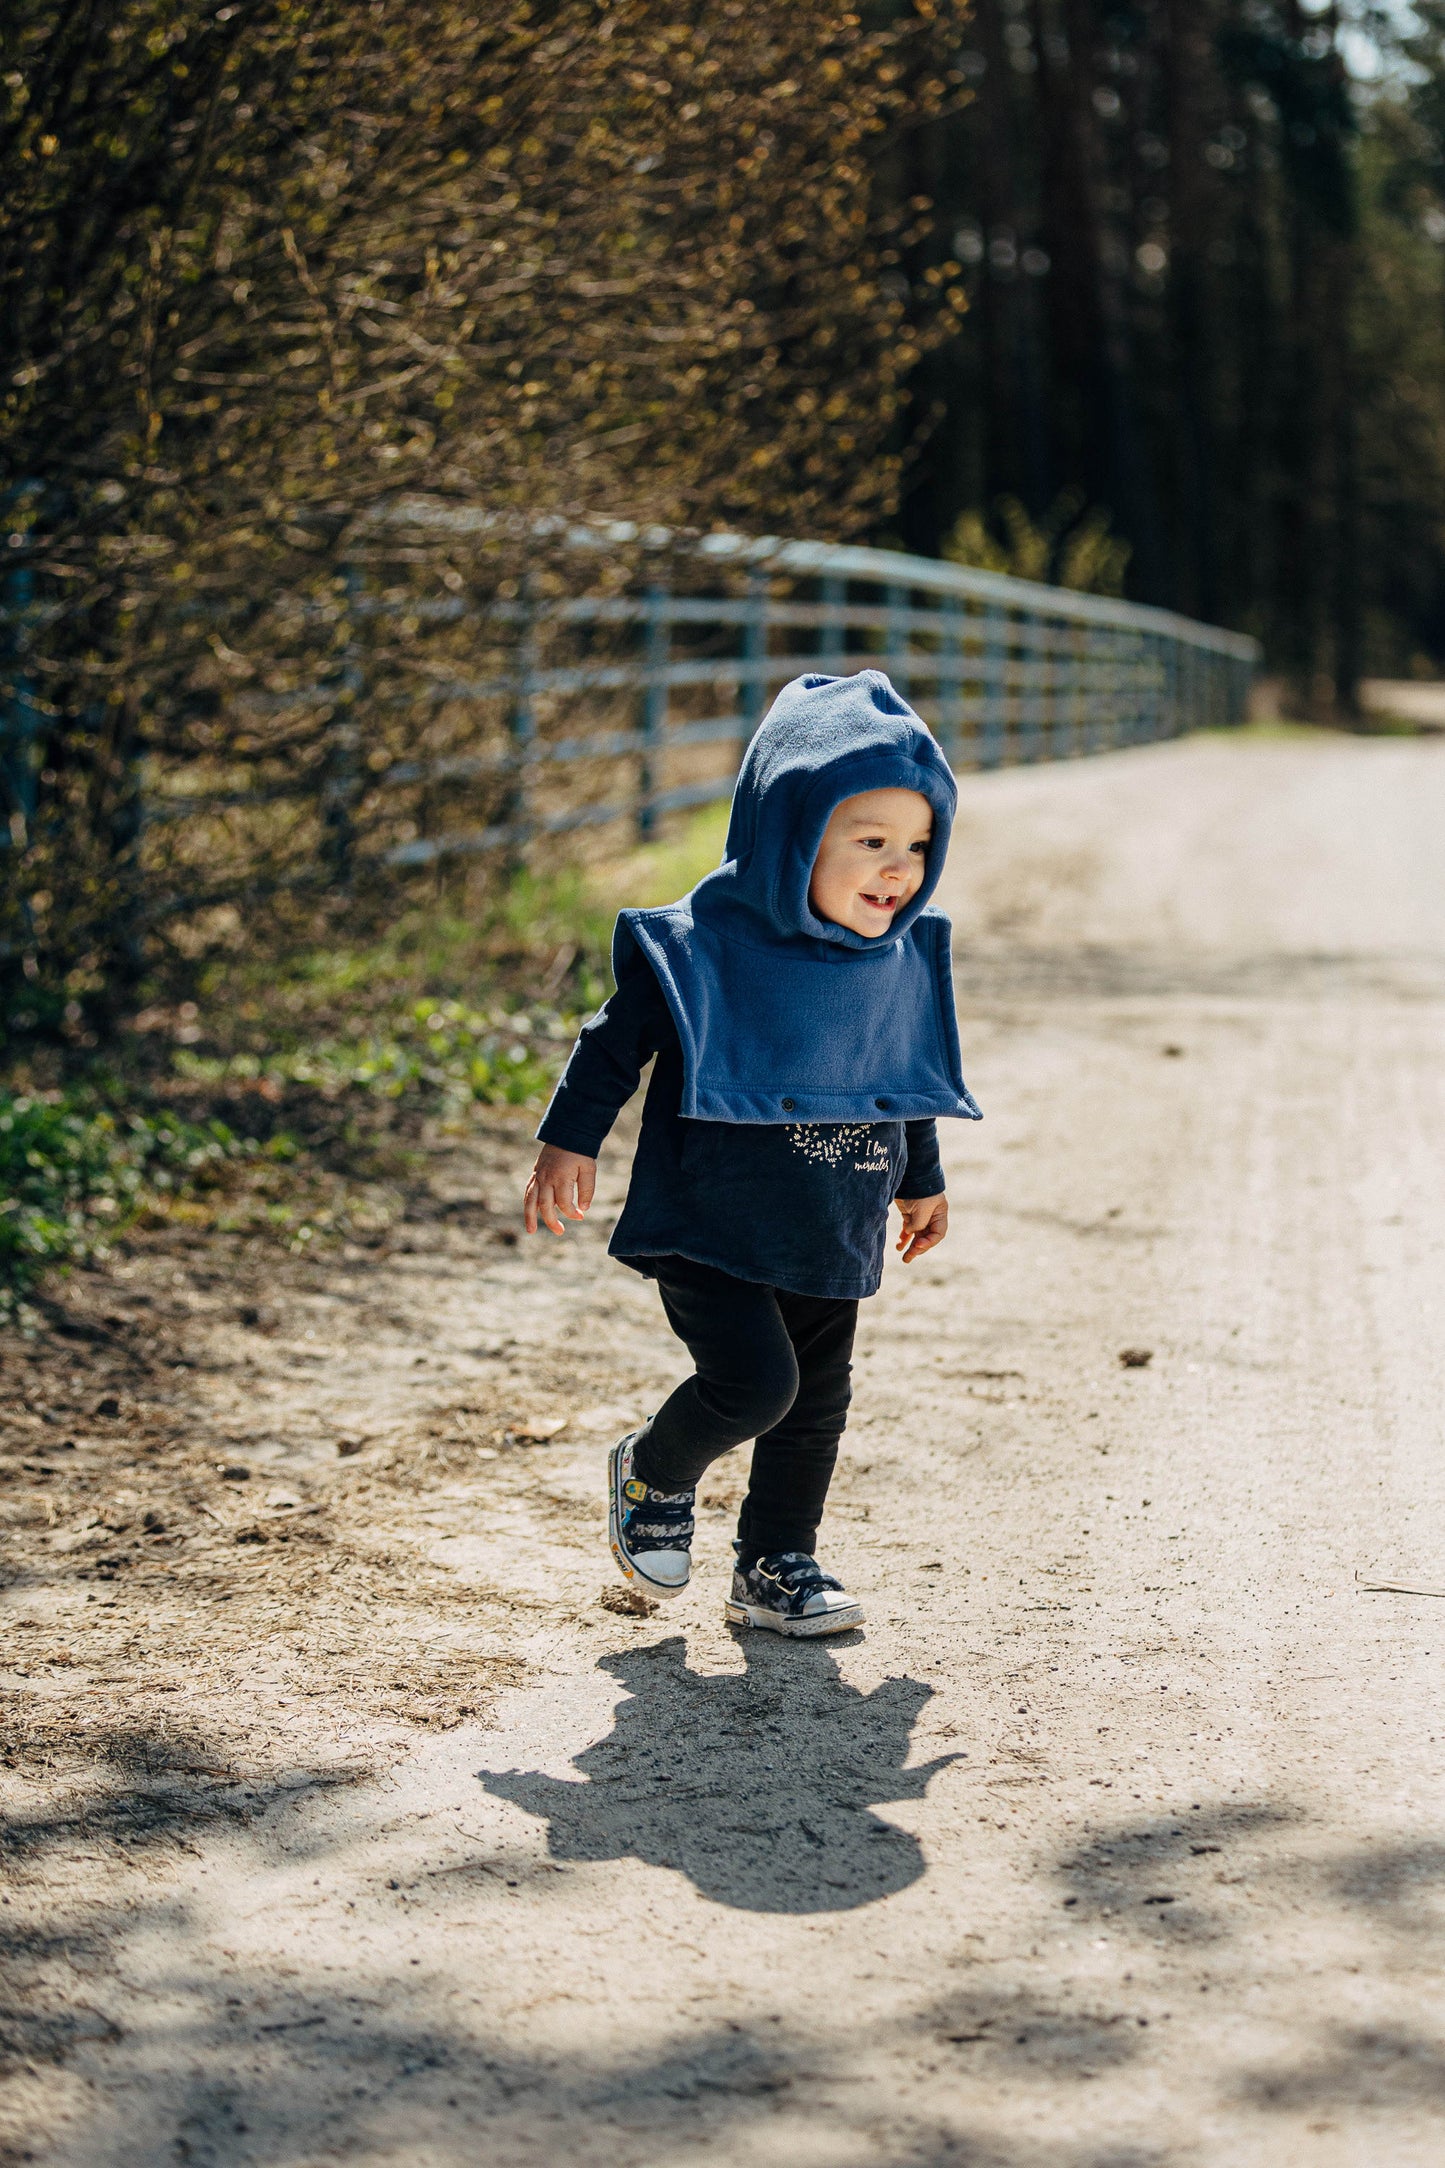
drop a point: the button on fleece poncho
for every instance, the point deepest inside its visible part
(783, 1016)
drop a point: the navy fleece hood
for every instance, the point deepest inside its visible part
(783, 1016)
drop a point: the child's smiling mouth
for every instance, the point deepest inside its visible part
(879, 903)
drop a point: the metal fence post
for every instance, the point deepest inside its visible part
(1058, 691)
(1203, 687)
(1109, 681)
(19, 710)
(341, 772)
(895, 638)
(522, 719)
(1078, 690)
(126, 832)
(833, 632)
(1139, 699)
(752, 689)
(1033, 695)
(1104, 696)
(1138, 660)
(950, 672)
(653, 718)
(995, 687)
(1154, 709)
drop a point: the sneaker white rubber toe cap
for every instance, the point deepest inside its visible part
(833, 1603)
(660, 1573)
(831, 1611)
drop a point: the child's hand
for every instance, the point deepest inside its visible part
(562, 1183)
(925, 1223)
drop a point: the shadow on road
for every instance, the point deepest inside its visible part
(757, 1787)
(321, 2041)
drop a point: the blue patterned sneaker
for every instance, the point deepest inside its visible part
(650, 1530)
(789, 1593)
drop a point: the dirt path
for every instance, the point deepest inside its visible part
(1118, 1841)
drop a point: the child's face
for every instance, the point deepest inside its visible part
(871, 859)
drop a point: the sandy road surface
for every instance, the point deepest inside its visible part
(1118, 1841)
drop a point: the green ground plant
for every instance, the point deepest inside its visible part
(74, 1172)
(450, 1004)
(253, 1108)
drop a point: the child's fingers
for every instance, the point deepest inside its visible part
(925, 1223)
(569, 1194)
(571, 1185)
(560, 1188)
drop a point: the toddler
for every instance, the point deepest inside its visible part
(800, 1007)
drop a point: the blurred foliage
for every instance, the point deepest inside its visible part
(1062, 548)
(1205, 271)
(321, 320)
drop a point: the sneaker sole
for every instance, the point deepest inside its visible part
(798, 1629)
(628, 1567)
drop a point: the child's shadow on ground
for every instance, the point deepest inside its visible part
(756, 1787)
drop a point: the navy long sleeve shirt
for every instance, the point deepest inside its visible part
(802, 1205)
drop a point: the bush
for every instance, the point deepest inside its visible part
(275, 275)
(1068, 547)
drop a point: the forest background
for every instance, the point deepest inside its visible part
(1144, 296)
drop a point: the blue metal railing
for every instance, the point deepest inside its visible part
(551, 738)
(1003, 670)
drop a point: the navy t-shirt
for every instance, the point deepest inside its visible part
(797, 1205)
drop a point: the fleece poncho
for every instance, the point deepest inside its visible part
(783, 1016)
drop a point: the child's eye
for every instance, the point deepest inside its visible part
(921, 848)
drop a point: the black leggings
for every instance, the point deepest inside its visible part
(771, 1365)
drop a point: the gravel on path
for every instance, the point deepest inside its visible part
(1117, 1840)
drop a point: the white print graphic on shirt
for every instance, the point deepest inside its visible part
(831, 1143)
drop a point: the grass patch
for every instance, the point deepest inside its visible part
(542, 944)
(449, 1009)
(454, 1055)
(257, 1107)
(1269, 730)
